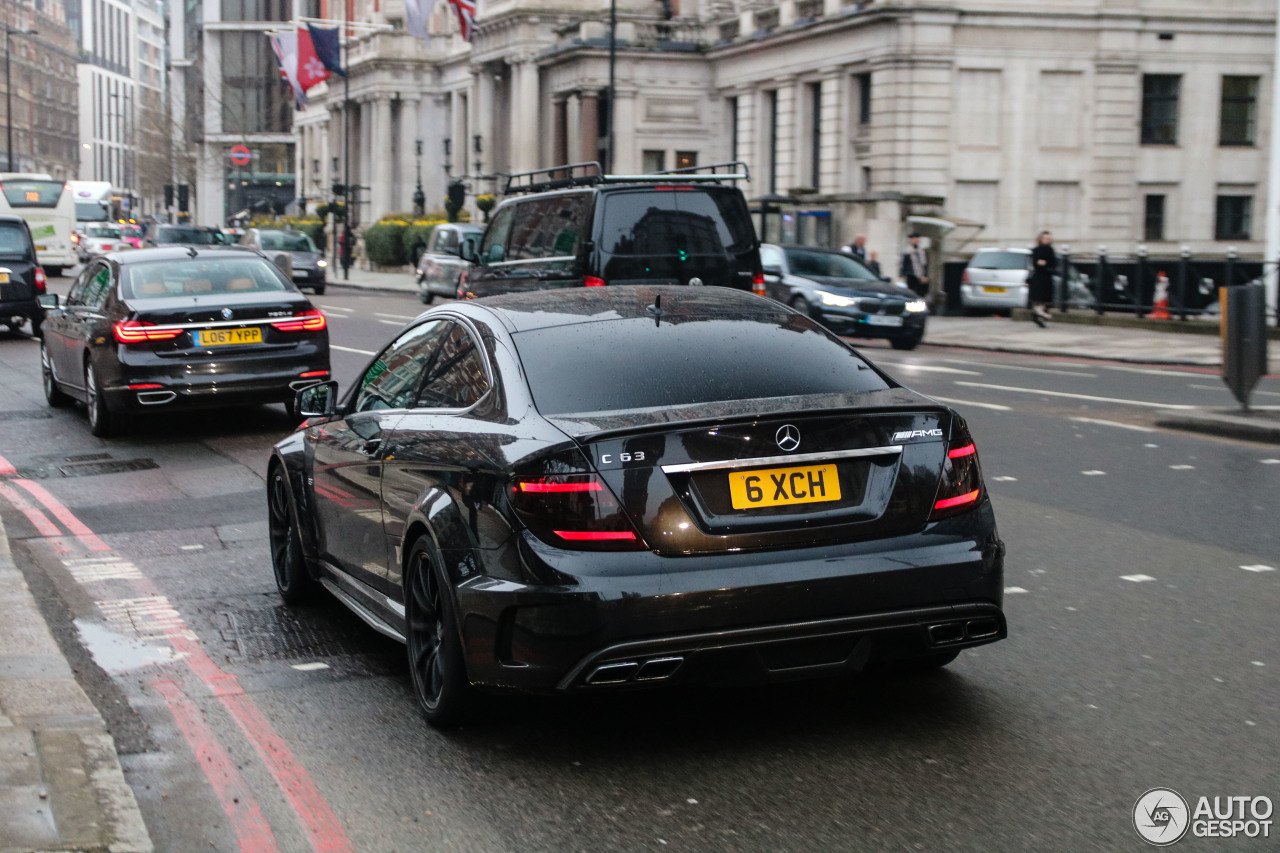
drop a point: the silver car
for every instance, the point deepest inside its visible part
(98, 240)
(441, 263)
(996, 280)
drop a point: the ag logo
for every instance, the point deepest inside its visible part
(1161, 816)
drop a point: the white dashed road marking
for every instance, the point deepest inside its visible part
(1259, 568)
(995, 407)
(1047, 393)
(310, 667)
(1270, 461)
(1182, 467)
(1101, 422)
(1005, 479)
(930, 368)
(1094, 473)
(1013, 590)
(350, 349)
(1137, 578)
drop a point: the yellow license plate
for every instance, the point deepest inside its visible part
(989, 289)
(781, 486)
(39, 248)
(222, 337)
(4, 278)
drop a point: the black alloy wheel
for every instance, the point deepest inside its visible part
(102, 421)
(435, 651)
(424, 294)
(53, 395)
(906, 340)
(292, 580)
(319, 289)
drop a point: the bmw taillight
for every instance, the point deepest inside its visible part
(41, 281)
(139, 332)
(961, 485)
(573, 511)
(592, 281)
(757, 284)
(305, 321)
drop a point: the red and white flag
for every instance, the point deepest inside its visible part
(466, 11)
(285, 46)
(311, 70)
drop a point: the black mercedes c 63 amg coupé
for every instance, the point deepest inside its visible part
(634, 486)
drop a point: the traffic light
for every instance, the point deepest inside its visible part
(339, 189)
(168, 195)
(184, 197)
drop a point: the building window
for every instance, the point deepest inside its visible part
(1235, 217)
(866, 179)
(1239, 120)
(864, 98)
(686, 159)
(772, 97)
(653, 161)
(815, 135)
(1153, 218)
(733, 129)
(1160, 109)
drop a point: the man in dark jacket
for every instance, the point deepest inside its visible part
(915, 267)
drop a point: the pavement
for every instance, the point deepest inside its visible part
(61, 783)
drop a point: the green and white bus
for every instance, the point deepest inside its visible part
(50, 211)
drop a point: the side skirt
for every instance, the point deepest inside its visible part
(363, 601)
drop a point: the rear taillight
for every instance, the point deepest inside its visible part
(75, 238)
(139, 332)
(41, 281)
(313, 374)
(964, 277)
(592, 281)
(757, 284)
(462, 286)
(306, 321)
(961, 485)
(574, 511)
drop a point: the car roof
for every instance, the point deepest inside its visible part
(8, 217)
(178, 252)
(539, 309)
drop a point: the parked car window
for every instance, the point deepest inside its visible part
(494, 247)
(158, 279)
(455, 377)
(1000, 261)
(791, 356)
(13, 239)
(446, 241)
(826, 265)
(392, 381)
(675, 223)
(548, 228)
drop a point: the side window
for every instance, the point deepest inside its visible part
(392, 381)
(548, 228)
(75, 296)
(447, 241)
(494, 247)
(455, 378)
(95, 293)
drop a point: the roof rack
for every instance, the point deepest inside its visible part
(554, 178)
(589, 174)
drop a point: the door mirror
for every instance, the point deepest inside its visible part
(47, 300)
(317, 401)
(467, 251)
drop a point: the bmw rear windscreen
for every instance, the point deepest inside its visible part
(626, 364)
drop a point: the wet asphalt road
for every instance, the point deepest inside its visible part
(1140, 654)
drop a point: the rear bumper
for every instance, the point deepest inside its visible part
(28, 308)
(733, 618)
(243, 384)
(973, 296)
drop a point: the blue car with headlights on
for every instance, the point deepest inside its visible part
(842, 294)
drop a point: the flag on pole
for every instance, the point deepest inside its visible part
(325, 42)
(285, 45)
(416, 13)
(466, 10)
(311, 70)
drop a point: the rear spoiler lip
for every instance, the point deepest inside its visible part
(901, 401)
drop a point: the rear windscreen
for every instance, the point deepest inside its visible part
(197, 277)
(91, 211)
(1000, 261)
(33, 193)
(287, 241)
(679, 222)
(13, 239)
(193, 236)
(619, 365)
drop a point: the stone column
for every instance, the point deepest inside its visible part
(589, 121)
(380, 151)
(525, 137)
(410, 131)
(559, 130)
(626, 160)
(482, 123)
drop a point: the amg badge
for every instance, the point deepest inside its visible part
(908, 434)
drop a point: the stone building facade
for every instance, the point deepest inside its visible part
(42, 74)
(1110, 122)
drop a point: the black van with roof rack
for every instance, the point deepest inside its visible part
(572, 226)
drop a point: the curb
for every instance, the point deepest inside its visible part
(1231, 426)
(62, 783)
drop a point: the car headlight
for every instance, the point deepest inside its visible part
(322, 264)
(835, 300)
(917, 306)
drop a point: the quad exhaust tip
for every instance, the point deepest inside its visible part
(957, 632)
(156, 398)
(621, 672)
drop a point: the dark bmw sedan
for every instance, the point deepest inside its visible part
(609, 489)
(843, 295)
(157, 329)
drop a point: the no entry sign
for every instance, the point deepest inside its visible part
(240, 155)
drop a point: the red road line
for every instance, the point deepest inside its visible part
(6, 468)
(252, 831)
(41, 521)
(60, 512)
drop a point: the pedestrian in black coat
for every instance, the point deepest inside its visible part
(1040, 279)
(915, 267)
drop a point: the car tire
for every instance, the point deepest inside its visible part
(53, 394)
(102, 421)
(426, 296)
(319, 289)
(53, 272)
(907, 340)
(907, 666)
(293, 581)
(435, 649)
(802, 305)
(14, 323)
(37, 327)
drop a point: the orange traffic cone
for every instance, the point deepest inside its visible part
(1161, 311)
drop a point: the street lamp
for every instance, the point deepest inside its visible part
(419, 197)
(8, 89)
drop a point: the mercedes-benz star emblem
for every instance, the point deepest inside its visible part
(226, 313)
(788, 437)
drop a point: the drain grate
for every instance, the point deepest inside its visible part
(278, 632)
(112, 466)
(88, 457)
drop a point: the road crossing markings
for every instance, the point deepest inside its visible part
(1182, 467)
(1047, 393)
(1259, 568)
(1136, 578)
(1117, 424)
(995, 407)
(351, 349)
(1094, 473)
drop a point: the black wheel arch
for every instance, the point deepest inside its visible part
(290, 456)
